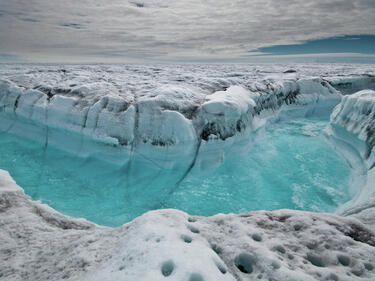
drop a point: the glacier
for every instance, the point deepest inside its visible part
(112, 112)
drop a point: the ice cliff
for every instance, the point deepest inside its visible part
(127, 107)
(352, 130)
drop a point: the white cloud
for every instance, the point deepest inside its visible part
(121, 30)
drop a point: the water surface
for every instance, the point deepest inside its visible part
(288, 165)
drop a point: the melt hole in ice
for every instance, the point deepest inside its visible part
(369, 266)
(167, 268)
(191, 219)
(315, 260)
(244, 263)
(256, 237)
(297, 227)
(193, 229)
(196, 277)
(344, 260)
(220, 266)
(333, 277)
(186, 238)
(275, 264)
(280, 249)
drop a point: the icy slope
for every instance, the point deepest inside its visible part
(356, 114)
(40, 244)
(353, 131)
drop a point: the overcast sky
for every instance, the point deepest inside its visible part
(178, 30)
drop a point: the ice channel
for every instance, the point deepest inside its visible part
(287, 164)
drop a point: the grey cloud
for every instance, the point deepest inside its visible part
(166, 29)
(72, 25)
(365, 4)
(30, 20)
(138, 4)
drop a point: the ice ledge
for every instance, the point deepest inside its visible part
(169, 117)
(37, 243)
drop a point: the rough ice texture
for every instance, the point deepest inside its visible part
(356, 114)
(37, 243)
(353, 130)
(126, 106)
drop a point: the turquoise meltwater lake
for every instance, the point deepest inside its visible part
(288, 164)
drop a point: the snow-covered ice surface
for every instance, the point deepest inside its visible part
(129, 106)
(188, 109)
(38, 243)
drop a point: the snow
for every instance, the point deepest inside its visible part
(125, 106)
(110, 111)
(40, 244)
(225, 112)
(7, 184)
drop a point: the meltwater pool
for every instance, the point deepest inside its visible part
(288, 165)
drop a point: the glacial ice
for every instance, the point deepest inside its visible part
(40, 244)
(109, 112)
(198, 101)
(352, 129)
(279, 166)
